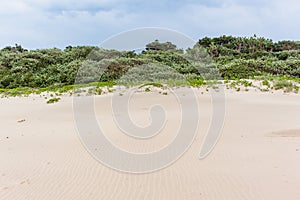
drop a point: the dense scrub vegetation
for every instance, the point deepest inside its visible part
(39, 68)
(235, 58)
(238, 57)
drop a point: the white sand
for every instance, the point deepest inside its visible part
(257, 157)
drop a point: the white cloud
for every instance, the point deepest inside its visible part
(48, 23)
(13, 7)
(69, 4)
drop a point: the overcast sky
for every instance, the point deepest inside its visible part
(59, 23)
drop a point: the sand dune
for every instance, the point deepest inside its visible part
(257, 156)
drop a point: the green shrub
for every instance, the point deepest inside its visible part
(296, 89)
(147, 90)
(266, 83)
(53, 100)
(245, 83)
(196, 82)
(240, 69)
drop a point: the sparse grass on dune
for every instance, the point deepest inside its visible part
(54, 89)
(264, 84)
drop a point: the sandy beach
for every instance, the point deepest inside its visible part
(256, 157)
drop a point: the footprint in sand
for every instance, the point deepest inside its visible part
(26, 181)
(286, 133)
(21, 120)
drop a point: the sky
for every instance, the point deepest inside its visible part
(59, 23)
